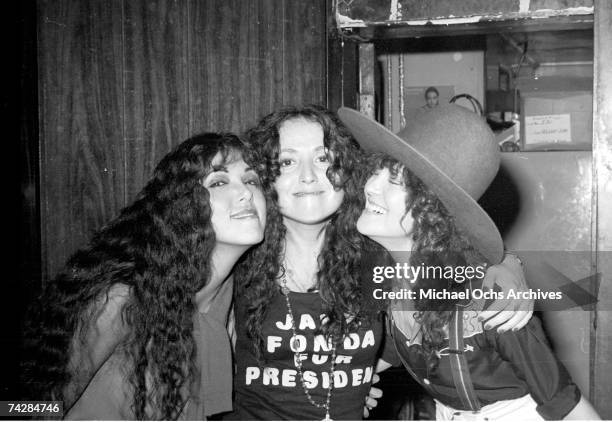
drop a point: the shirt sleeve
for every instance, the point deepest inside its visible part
(548, 381)
(92, 350)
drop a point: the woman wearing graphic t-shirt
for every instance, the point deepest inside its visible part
(306, 343)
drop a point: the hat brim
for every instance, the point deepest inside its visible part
(469, 217)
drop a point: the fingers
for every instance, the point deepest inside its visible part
(503, 304)
(508, 314)
(375, 393)
(371, 403)
(518, 321)
(507, 319)
(499, 318)
(496, 315)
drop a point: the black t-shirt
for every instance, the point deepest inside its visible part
(275, 391)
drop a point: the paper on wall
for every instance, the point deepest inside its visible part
(549, 129)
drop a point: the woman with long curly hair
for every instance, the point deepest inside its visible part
(421, 206)
(135, 325)
(307, 342)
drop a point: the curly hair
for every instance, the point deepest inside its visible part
(337, 277)
(436, 242)
(160, 247)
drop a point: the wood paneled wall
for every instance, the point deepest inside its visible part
(122, 81)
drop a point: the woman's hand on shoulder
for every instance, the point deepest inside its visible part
(507, 314)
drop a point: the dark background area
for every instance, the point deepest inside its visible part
(19, 112)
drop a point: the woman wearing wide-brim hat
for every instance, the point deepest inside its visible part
(421, 205)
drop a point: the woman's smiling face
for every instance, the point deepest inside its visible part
(305, 194)
(385, 218)
(237, 202)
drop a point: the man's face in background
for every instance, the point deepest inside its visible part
(432, 99)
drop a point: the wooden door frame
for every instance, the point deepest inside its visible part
(601, 337)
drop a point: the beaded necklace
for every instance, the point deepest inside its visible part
(295, 345)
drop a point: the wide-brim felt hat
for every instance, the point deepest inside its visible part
(453, 151)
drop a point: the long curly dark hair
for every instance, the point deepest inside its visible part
(337, 277)
(437, 243)
(159, 248)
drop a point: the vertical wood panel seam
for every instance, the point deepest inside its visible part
(187, 64)
(283, 46)
(123, 107)
(41, 137)
(328, 26)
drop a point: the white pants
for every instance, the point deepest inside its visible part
(523, 409)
